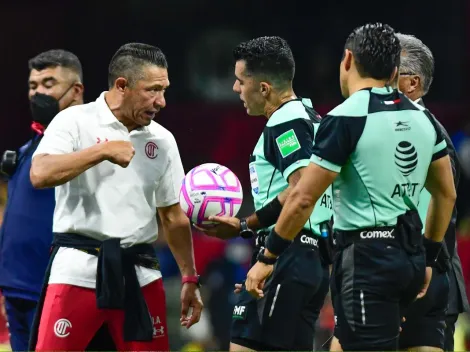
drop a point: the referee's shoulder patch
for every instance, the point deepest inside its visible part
(288, 143)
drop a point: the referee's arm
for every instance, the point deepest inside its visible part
(336, 139)
(440, 183)
(302, 199)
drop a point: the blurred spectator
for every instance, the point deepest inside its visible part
(325, 326)
(4, 338)
(55, 83)
(461, 140)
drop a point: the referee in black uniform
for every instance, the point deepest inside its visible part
(416, 76)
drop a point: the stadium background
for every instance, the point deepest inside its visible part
(204, 114)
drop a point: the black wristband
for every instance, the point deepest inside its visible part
(276, 244)
(269, 214)
(433, 249)
(245, 231)
(264, 259)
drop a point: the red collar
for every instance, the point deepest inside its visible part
(38, 128)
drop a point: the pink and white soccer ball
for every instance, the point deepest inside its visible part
(208, 190)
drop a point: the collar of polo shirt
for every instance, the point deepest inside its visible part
(106, 115)
(382, 90)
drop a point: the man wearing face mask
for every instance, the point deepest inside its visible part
(55, 83)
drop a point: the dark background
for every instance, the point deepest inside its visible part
(185, 31)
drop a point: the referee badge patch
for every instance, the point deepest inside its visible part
(287, 143)
(239, 312)
(254, 178)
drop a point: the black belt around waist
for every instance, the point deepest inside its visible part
(407, 232)
(345, 238)
(117, 286)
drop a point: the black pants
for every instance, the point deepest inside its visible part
(284, 319)
(426, 318)
(373, 280)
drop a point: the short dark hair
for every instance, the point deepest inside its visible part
(417, 59)
(127, 62)
(54, 58)
(268, 56)
(376, 50)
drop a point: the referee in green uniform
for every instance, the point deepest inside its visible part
(378, 169)
(264, 72)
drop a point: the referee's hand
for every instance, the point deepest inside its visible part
(427, 281)
(238, 288)
(227, 227)
(256, 278)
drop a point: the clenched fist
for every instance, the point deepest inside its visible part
(119, 152)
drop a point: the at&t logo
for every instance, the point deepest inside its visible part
(62, 328)
(406, 158)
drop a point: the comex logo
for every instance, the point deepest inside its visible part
(406, 158)
(62, 328)
(377, 234)
(309, 240)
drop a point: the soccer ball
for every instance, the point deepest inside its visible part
(208, 190)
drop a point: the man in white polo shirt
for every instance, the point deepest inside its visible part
(112, 167)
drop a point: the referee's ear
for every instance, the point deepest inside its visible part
(394, 76)
(265, 89)
(347, 59)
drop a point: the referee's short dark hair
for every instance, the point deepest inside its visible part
(270, 57)
(54, 58)
(376, 50)
(128, 61)
(417, 59)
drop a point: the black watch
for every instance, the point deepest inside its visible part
(245, 231)
(265, 260)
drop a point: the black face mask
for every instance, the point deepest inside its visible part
(44, 107)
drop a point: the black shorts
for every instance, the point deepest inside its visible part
(284, 319)
(372, 281)
(426, 318)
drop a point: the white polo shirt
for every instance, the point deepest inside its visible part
(107, 200)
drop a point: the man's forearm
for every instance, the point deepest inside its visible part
(438, 218)
(180, 240)
(49, 170)
(294, 215)
(440, 183)
(253, 221)
(299, 206)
